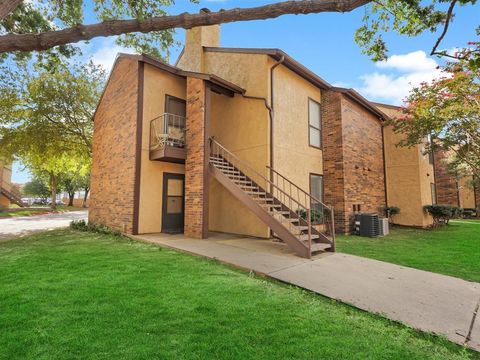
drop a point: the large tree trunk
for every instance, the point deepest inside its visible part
(53, 189)
(49, 39)
(85, 197)
(71, 196)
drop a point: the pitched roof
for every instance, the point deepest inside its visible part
(213, 79)
(354, 95)
(278, 54)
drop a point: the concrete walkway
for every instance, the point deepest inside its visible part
(25, 225)
(427, 301)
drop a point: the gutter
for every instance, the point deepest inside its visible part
(272, 112)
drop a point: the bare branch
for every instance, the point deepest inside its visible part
(7, 7)
(445, 28)
(47, 40)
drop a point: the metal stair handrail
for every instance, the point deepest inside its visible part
(307, 208)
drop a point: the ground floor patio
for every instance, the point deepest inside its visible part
(423, 300)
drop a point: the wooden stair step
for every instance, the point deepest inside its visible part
(304, 237)
(320, 247)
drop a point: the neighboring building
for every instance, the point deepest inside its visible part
(243, 141)
(452, 189)
(410, 176)
(9, 194)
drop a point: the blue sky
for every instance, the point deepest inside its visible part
(322, 42)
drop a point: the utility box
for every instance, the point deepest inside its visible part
(369, 225)
(384, 226)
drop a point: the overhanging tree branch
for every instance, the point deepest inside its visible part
(445, 28)
(7, 7)
(47, 40)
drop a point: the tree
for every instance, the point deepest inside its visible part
(447, 110)
(36, 188)
(45, 120)
(74, 181)
(142, 23)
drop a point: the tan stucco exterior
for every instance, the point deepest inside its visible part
(241, 125)
(293, 157)
(157, 84)
(466, 193)
(5, 182)
(409, 177)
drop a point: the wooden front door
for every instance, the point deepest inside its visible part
(173, 208)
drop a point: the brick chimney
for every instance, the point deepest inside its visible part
(195, 39)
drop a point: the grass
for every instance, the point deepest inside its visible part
(452, 250)
(72, 295)
(37, 211)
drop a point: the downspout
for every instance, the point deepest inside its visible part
(270, 108)
(384, 168)
(272, 112)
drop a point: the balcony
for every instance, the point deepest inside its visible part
(167, 139)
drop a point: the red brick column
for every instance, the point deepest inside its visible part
(446, 182)
(333, 162)
(196, 164)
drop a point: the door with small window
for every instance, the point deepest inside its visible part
(173, 208)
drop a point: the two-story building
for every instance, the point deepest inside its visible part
(235, 140)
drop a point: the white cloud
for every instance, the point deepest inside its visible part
(105, 55)
(397, 76)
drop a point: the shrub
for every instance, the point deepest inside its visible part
(442, 214)
(316, 215)
(469, 213)
(82, 225)
(392, 211)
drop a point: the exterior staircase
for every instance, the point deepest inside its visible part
(303, 222)
(12, 195)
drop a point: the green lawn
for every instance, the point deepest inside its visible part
(72, 295)
(452, 250)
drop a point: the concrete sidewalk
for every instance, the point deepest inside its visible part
(426, 301)
(14, 227)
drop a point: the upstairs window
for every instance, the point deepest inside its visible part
(314, 124)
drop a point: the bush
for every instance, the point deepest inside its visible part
(469, 213)
(316, 215)
(82, 225)
(392, 211)
(442, 214)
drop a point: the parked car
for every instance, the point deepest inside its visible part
(58, 202)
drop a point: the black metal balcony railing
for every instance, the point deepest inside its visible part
(167, 130)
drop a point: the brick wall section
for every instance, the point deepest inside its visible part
(446, 183)
(333, 165)
(195, 184)
(363, 161)
(114, 140)
(353, 159)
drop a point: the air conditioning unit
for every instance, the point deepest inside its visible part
(383, 226)
(369, 225)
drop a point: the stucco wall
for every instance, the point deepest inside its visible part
(249, 71)
(466, 192)
(157, 84)
(293, 157)
(409, 175)
(6, 176)
(192, 58)
(241, 125)
(114, 142)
